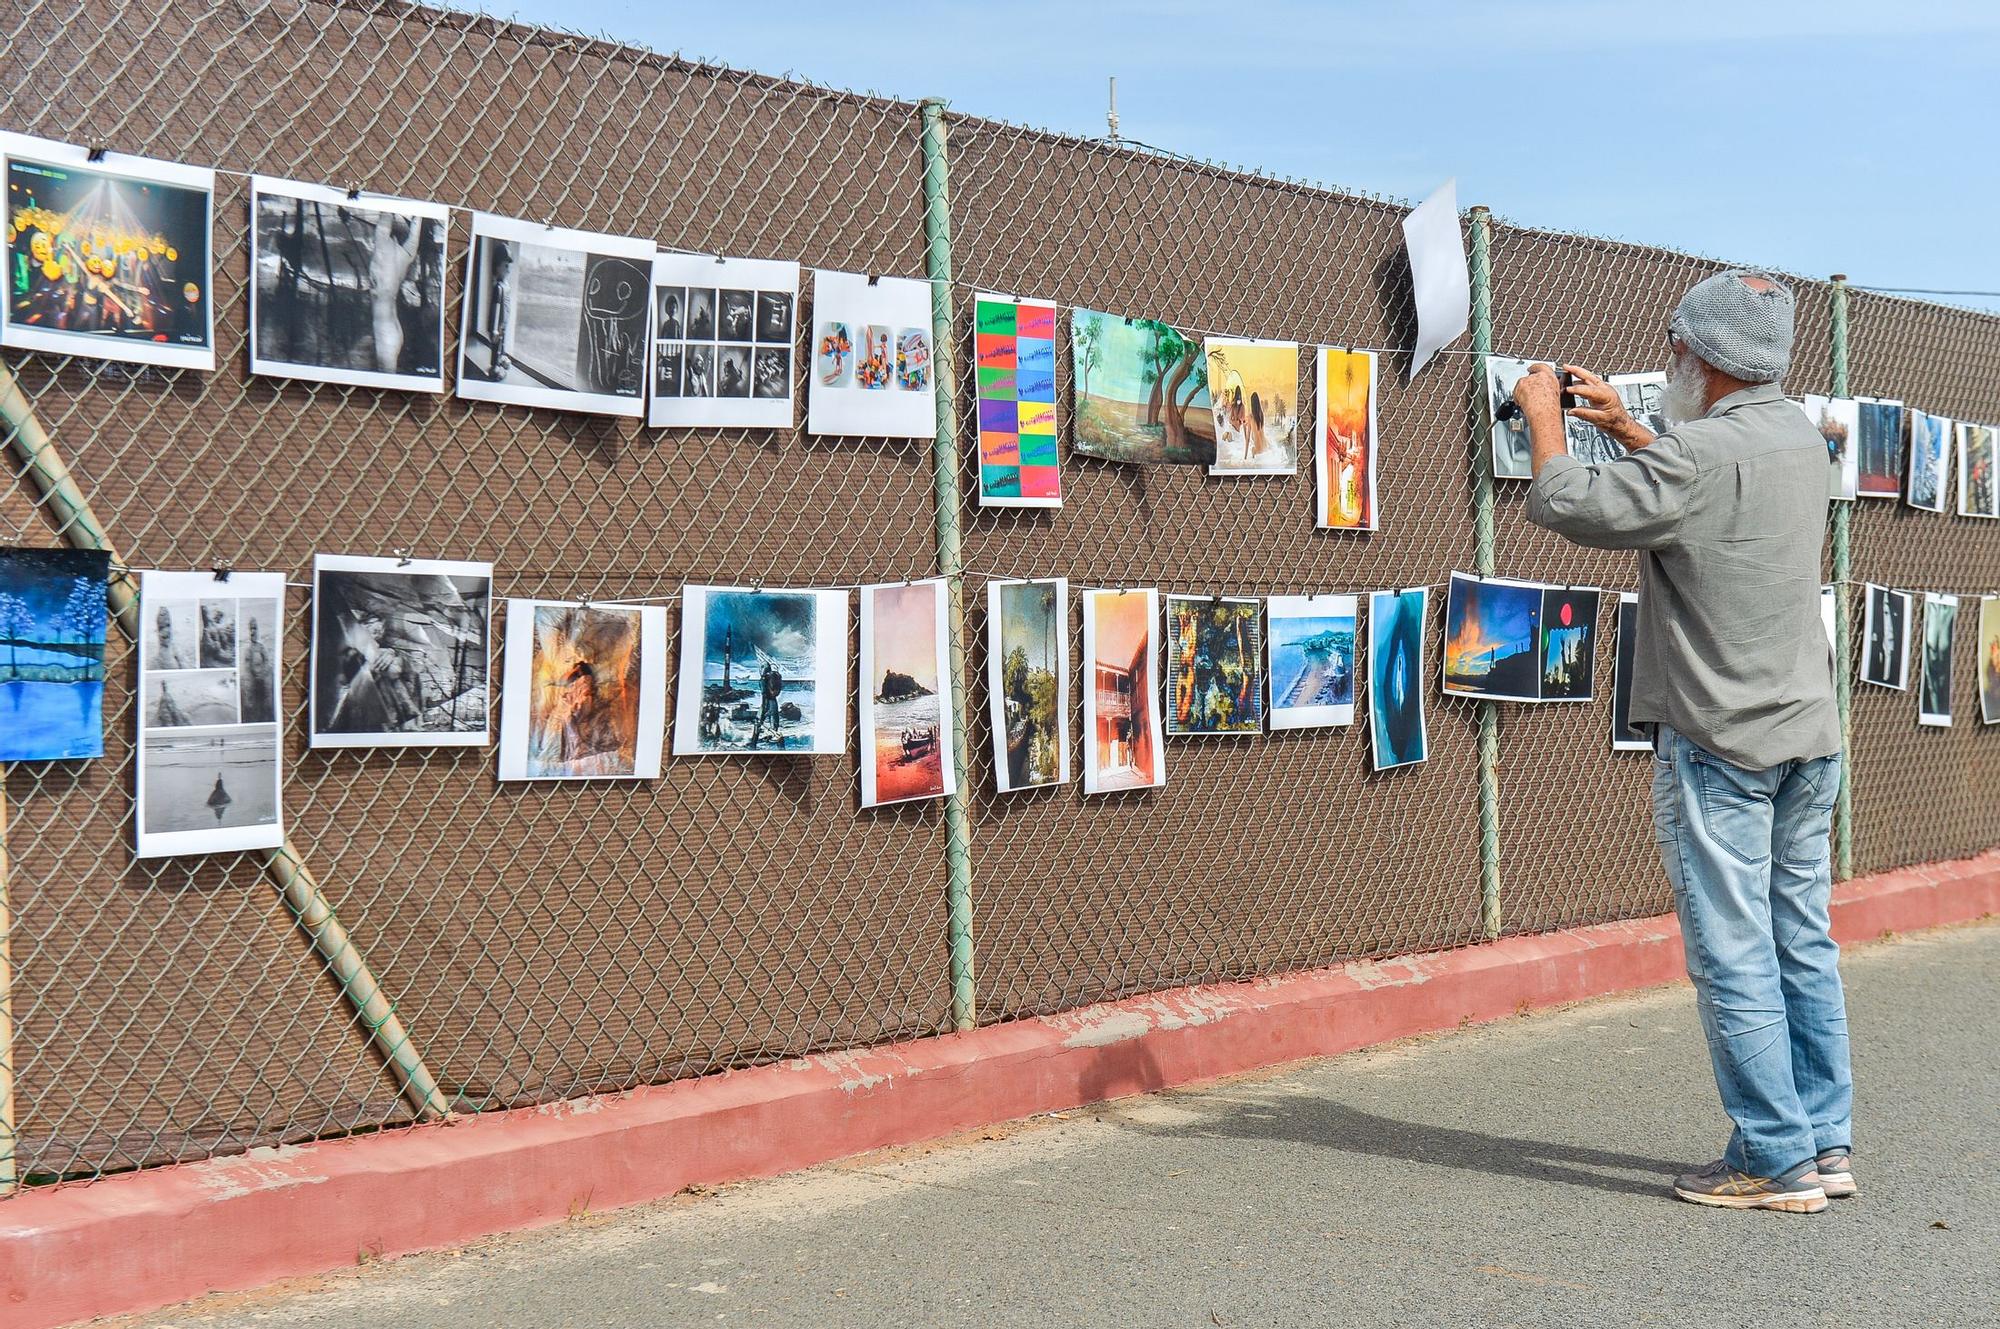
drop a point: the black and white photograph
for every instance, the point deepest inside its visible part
(399, 652)
(209, 752)
(1934, 664)
(346, 288)
(728, 362)
(1512, 459)
(556, 318)
(1644, 397)
(1885, 637)
(669, 309)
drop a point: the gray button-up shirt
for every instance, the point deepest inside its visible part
(1729, 513)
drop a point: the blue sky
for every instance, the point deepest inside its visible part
(1814, 137)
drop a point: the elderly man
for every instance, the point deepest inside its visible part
(1734, 678)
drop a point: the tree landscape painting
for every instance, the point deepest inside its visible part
(1028, 681)
(906, 737)
(52, 621)
(1141, 392)
(1490, 638)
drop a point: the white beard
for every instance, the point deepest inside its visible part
(1686, 397)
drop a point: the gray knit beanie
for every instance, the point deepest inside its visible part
(1743, 331)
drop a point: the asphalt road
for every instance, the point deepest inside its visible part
(1506, 1175)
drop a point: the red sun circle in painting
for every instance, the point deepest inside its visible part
(1565, 613)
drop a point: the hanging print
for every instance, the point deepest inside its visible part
(107, 258)
(555, 318)
(399, 652)
(346, 288)
(1396, 731)
(1880, 448)
(52, 622)
(1625, 738)
(1253, 389)
(1014, 349)
(1885, 637)
(210, 760)
(584, 696)
(1215, 665)
(1838, 420)
(1141, 392)
(722, 342)
(1934, 664)
(871, 357)
(1344, 461)
(1121, 710)
(1312, 660)
(762, 671)
(1978, 470)
(906, 716)
(1930, 461)
(1027, 681)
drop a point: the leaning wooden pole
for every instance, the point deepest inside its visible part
(60, 495)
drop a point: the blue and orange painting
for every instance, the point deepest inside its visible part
(52, 622)
(1489, 639)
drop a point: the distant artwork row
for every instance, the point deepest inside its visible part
(1876, 448)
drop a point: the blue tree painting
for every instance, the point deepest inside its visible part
(52, 621)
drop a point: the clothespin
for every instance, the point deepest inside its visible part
(873, 278)
(402, 553)
(221, 571)
(757, 586)
(353, 192)
(97, 151)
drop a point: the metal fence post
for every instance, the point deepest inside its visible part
(1484, 565)
(1843, 569)
(944, 459)
(78, 525)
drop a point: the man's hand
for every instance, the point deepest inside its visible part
(1604, 409)
(1539, 395)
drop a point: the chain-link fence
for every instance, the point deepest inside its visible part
(542, 941)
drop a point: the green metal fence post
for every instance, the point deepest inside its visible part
(1843, 568)
(1484, 564)
(944, 457)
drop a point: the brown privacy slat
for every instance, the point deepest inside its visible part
(542, 940)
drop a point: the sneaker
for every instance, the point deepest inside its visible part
(1836, 1174)
(1795, 1191)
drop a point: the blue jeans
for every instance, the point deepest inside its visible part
(1750, 858)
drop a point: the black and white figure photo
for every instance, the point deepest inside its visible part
(1624, 738)
(555, 318)
(399, 652)
(669, 312)
(1885, 637)
(1934, 664)
(209, 756)
(346, 289)
(732, 371)
(774, 317)
(733, 348)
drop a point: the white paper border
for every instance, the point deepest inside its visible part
(1216, 467)
(1868, 590)
(1617, 678)
(1444, 684)
(1949, 440)
(1278, 717)
(1091, 783)
(262, 185)
(153, 586)
(1903, 436)
(747, 274)
(90, 345)
(517, 660)
(414, 567)
(868, 412)
(829, 666)
(486, 224)
(1938, 719)
(1494, 427)
(996, 699)
(1322, 468)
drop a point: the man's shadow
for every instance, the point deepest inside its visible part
(1334, 1125)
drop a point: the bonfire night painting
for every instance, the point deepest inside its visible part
(1215, 665)
(1253, 389)
(762, 671)
(1141, 391)
(1027, 681)
(584, 696)
(1490, 639)
(1567, 647)
(108, 258)
(210, 765)
(906, 735)
(1122, 746)
(1312, 660)
(1014, 349)
(1344, 461)
(52, 621)
(399, 652)
(1396, 732)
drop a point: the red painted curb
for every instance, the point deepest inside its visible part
(148, 1239)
